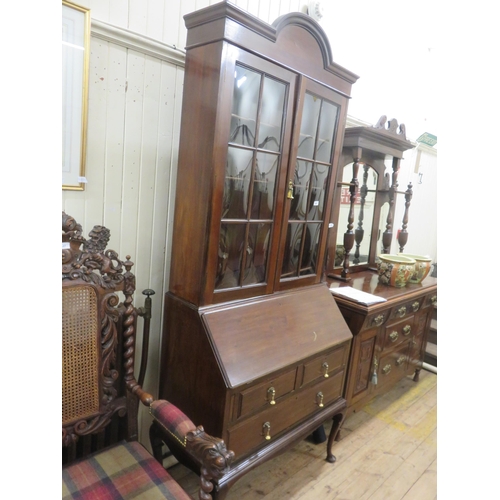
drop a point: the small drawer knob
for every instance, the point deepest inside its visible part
(319, 399)
(266, 430)
(271, 394)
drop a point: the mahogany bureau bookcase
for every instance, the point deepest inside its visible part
(254, 344)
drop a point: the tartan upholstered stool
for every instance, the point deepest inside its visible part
(102, 459)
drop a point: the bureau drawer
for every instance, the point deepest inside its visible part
(398, 332)
(325, 365)
(269, 423)
(393, 366)
(266, 393)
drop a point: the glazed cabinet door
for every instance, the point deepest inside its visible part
(313, 163)
(255, 131)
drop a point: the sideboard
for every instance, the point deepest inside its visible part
(389, 337)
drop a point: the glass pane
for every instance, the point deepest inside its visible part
(245, 103)
(256, 258)
(238, 175)
(327, 124)
(298, 206)
(263, 189)
(309, 125)
(363, 221)
(231, 243)
(384, 213)
(292, 249)
(309, 257)
(318, 187)
(364, 205)
(271, 115)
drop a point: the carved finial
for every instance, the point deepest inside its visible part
(381, 122)
(71, 230)
(392, 126)
(98, 239)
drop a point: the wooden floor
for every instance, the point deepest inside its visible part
(387, 451)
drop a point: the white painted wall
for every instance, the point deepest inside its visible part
(135, 91)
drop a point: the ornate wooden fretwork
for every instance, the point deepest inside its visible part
(86, 261)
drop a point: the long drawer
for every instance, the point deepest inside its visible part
(267, 424)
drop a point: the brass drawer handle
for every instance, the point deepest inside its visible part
(319, 399)
(271, 394)
(400, 360)
(434, 300)
(407, 330)
(401, 311)
(378, 320)
(386, 369)
(266, 429)
(394, 336)
(415, 306)
(324, 366)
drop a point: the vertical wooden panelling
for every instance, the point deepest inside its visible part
(154, 20)
(115, 130)
(138, 16)
(96, 134)
(172, 24)
(118, 12)
(133, 148)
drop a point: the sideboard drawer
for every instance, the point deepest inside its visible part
(404, 310)
(266, 393)
(270, 422)
(325, 365)
(398, 332)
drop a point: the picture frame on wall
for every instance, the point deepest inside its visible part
(75, 76)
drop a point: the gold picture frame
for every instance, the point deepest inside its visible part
(75, 78)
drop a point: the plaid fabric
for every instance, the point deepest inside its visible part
(171, 419)
(123, 472)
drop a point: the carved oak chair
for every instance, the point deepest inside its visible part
(102, 458)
